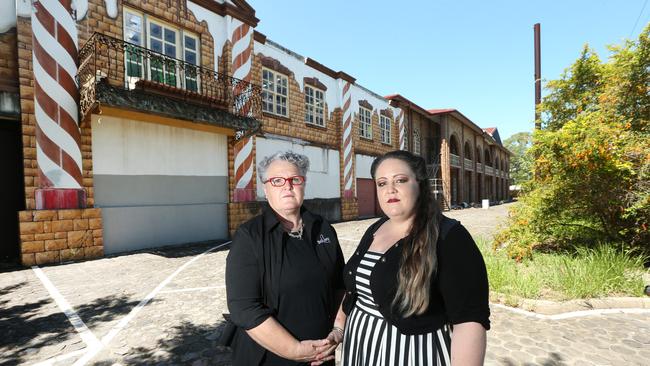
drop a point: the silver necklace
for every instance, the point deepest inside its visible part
(296, 234)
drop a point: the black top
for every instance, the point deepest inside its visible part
(296, 281)
(459, 291)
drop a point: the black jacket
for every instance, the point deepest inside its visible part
(459, 291)
(253, 269)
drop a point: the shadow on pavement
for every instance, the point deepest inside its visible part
(27, 328)
(554, 359)
(187, 344)
(179, 251)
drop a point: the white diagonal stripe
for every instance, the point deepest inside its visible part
(59, 177)
(63, 17)
(243, 153)
(243, 70)
(54, 49)
(245, 178)
(124, 321)
(241, 45)
(55, 91)
(234, 24)
(57, 134)
(86, 335)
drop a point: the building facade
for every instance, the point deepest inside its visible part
(133, 124)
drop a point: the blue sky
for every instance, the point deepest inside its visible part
(475, 56)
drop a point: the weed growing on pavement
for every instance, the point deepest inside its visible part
(590, 272)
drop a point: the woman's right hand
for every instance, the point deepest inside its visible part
(307, 351)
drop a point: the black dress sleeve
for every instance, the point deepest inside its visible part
(243, 283)
(340, 263)
(462, 279)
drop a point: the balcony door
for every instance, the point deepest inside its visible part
(175, 57)
(163, 40)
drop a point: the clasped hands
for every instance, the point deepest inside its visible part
(318, 351)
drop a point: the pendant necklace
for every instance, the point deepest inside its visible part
(296, 234)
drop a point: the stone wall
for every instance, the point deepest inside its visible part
(53, 236)
(9, 61)
(294, 125)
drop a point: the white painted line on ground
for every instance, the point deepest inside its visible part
(119, 326)
(192, 289)
(572, 314)
(53, 360)
(86, 335)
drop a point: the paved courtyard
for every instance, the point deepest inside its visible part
(164, 307)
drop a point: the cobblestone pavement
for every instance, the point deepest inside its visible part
(164, 307)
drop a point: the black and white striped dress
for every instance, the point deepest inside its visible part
(370, 341)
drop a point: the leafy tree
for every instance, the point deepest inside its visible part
(575, 92)
(520, 163)
(592, 159)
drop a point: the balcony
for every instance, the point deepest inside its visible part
(454, 160)
(479, 168)
(489, 170)
(468, 164)
(115, 73)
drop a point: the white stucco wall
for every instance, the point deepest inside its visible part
(216, 26)
(127, 147)
(8, 18)
(363, 163)
(323, 174)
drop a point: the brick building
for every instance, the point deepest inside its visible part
(132, 124)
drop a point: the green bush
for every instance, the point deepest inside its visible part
(591, 182)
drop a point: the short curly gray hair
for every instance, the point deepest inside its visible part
(300, 161)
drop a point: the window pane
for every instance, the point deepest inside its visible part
(170, 50)
(133, 37)
(190, 57)
(156, 45)
(170, 35)
(133, 21)
(190, 43)
(155, 30)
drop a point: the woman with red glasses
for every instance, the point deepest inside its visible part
(284, 275)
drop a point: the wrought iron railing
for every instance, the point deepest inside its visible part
(468, 164)
(120, 63)
(454, 160)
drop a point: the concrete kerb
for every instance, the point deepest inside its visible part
(578, 307)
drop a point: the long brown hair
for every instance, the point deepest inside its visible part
(419, 260)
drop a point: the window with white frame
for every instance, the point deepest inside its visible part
(275, 92)
(416, 140)
(314, 106)
(170, 44)
(365, 123)
(384, 129)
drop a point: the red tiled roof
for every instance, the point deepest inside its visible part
(441, 111)
(400, 98)
(490, 130)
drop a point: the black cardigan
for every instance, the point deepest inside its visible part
(253, 269)
(459, 291)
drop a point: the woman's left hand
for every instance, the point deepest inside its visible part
(334, 338)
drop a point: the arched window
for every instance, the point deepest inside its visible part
(488, 158)
(453, 145)
(468, 151)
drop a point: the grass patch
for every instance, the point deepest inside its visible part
(588, 273)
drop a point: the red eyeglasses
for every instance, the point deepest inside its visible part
(296, 180)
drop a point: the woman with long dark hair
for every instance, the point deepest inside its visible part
(417, 289)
